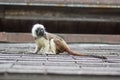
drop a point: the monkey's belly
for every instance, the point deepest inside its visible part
(46, 46)
(43, 44)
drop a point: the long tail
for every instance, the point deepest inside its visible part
(78, 54)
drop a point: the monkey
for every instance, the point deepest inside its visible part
(53, 44)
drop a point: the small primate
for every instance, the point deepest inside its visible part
(52, 44)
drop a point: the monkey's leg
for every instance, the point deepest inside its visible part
(52, 47)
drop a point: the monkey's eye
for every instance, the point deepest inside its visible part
(37, 30)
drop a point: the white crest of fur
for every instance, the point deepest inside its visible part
(35, 27)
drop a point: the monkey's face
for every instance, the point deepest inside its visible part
(38, 30)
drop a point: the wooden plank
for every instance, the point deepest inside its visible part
(27, 37)
(16, 37)
(61, 14)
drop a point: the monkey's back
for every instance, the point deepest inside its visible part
(61, 45)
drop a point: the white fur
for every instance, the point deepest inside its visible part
(52, 46)
(35, 27)
(42, 44)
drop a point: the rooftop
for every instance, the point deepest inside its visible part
(17, 62)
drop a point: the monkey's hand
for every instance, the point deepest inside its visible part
(31, 52)
(49, 53)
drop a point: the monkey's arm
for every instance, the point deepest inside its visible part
(37, 49)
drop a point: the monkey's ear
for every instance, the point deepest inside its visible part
(45, 36)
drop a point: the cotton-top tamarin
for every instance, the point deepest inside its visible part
(52, 44)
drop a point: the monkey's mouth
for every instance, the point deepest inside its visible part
(40, 32)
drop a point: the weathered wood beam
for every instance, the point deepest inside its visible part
(65, 3)
(26, 37)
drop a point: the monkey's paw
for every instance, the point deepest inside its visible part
(49, 53)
